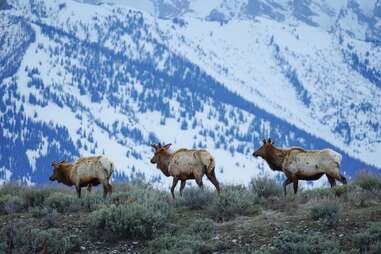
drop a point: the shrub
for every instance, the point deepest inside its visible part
(292, 242)
(263, 251)
(265, 187)
(368, 181)
(375, 248)
(202, 228)
(130, 221)
(369, 240)
(143, 195)
(341, 190)
(38, 212)
(359, 197)
(27, 239)
(327, 211)
(63, 202)
(361, 241)
(374, 230)
(12, 189)
(122, 198)
(179, 243)
(50, 218)
(11, 204)
(90, 203)
(55, 241)
(197, 198)
(232, 201)
(35, 197)
(121, 187)
(318, 193)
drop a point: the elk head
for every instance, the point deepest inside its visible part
(264, 149)
(160, 151)
(56, 167)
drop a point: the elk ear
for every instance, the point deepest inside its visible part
(167, 146)
(264, 141)
(154, 146)
(269, 140)
(53, 163)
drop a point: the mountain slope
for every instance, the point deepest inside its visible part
(92, 79)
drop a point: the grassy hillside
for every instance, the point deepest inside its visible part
(141, 219)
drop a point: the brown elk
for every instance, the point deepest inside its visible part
(86, 171)
(299, 164)
(185, 164)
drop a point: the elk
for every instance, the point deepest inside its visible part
(86, 171)
(299, 164)
(185, 164)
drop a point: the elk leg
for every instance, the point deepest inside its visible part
(342, 179)
(174, 183)
(109, 188)
(295, 182)
(78, 189)
(331, 181)
(199, 182)
(89, 188)
(105, 188)
(285, 183)
(182, 186)
(213, 179)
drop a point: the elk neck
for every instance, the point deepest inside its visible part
(163, 163)
(65, 171)
(275, 157)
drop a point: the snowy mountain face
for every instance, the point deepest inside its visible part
(111, 77)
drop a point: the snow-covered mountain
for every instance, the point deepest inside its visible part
(110, 77)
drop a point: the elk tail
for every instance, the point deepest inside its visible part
(111, 170)
(108, 169)
(207, 161)
(211, 165)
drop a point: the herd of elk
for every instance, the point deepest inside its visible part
(185, 164)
